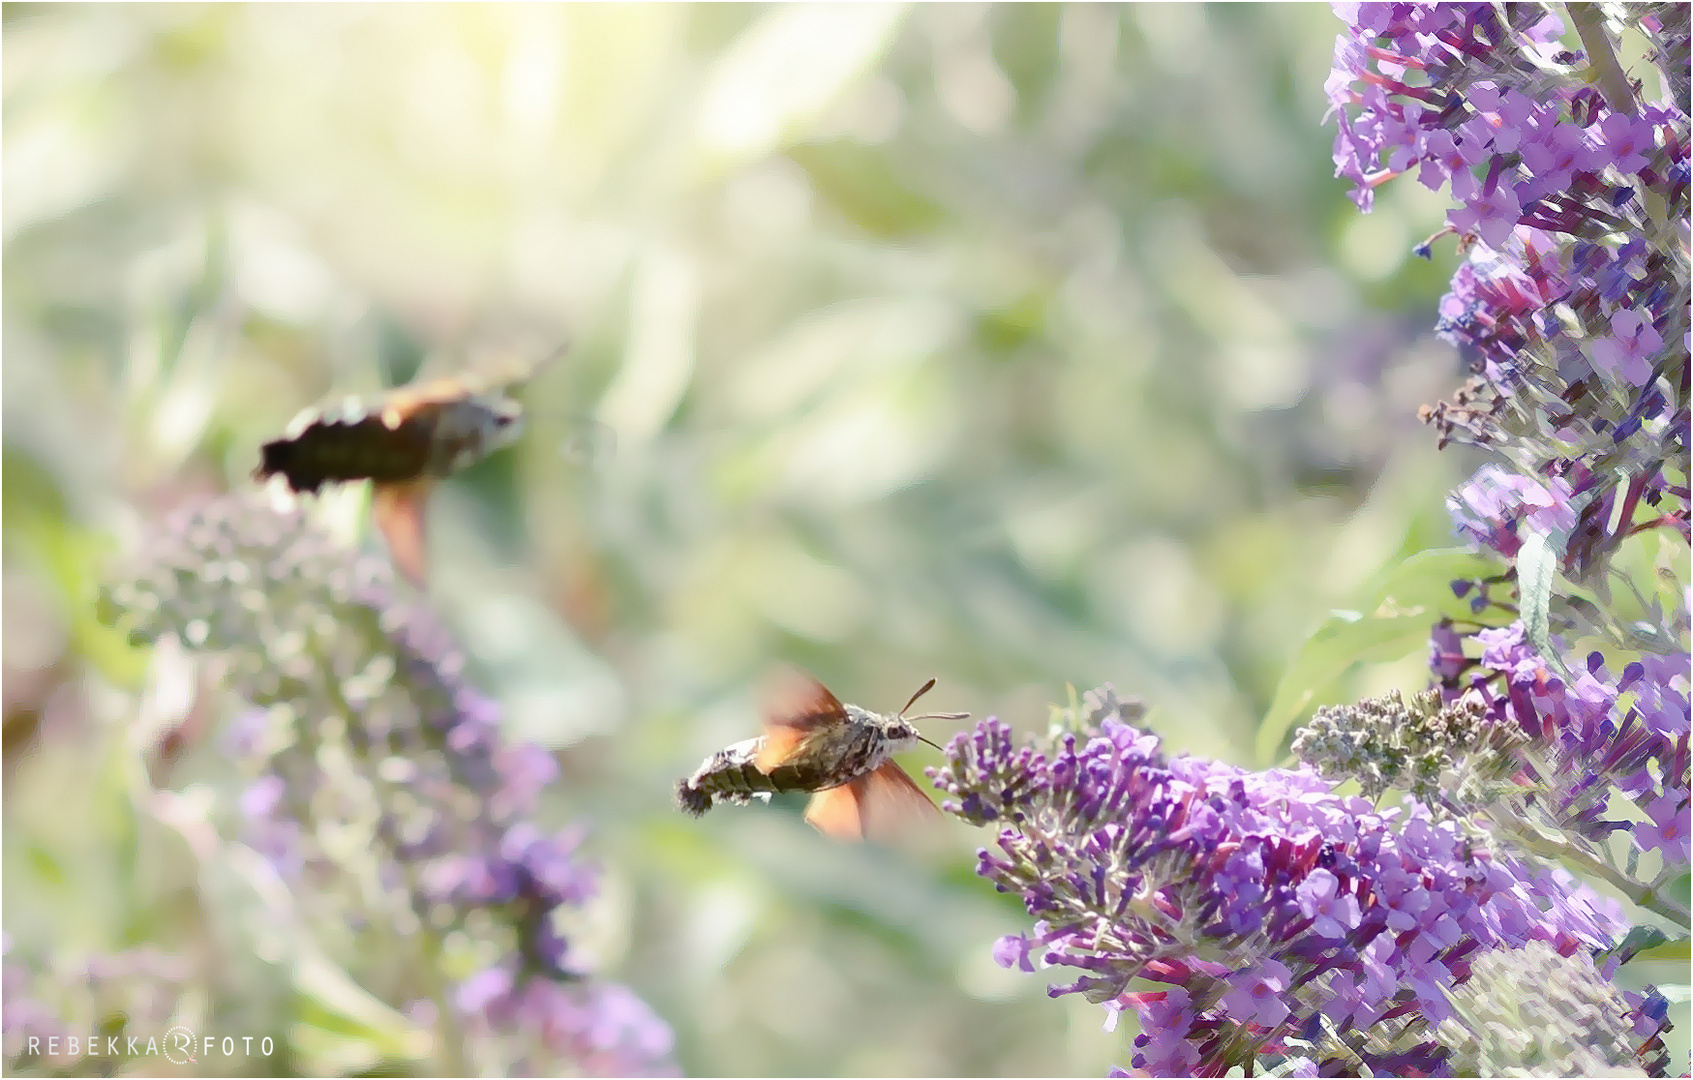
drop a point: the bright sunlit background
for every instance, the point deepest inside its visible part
(1022, 346)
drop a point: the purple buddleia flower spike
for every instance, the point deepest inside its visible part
(1571, 308)
(1572, 304)
(1269, 906)
(382, 787)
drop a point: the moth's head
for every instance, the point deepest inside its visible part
(907, 731)
(469, 430)
(503, 423)
(900, 733)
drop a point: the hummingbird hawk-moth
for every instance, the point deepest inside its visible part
(402, 441)
(843, 754)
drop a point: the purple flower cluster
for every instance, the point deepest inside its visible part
(1285, 919)
(1484, 100)
(1493, 507)
(1572, 205)
(1572, 193)
(1596, 745)
(381, 786)
(603, 1028)
(1588, 514)
(1574, 199)
(1288, 921)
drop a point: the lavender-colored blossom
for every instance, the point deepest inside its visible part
(602, 1028)
(1490, 211)
(1256, 997)
(1629, 349)
(1494, 506)
(1265, 901)
(1586, 738)
(1572, 202)
(1667, 831)
(1569, 193)
(381, 785)
(1321, 899)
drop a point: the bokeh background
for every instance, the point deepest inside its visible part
(1023, 346)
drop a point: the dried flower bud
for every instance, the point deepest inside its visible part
(1534, 1011)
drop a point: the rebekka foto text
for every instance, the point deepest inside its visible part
(178, 1046)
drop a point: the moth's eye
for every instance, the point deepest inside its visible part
(507, 421)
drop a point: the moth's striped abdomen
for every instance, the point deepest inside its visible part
(731, 775)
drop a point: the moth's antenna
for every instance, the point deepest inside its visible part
(921, 690)
(924, 689)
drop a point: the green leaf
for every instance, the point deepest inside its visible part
(67, 559)
(1537, 569)
(1409, 600)
(1642, 939)
(1678, 890)
(344, 1025)
(1425, 580)
(45, 866)
(332, 1052)
(1676, 950)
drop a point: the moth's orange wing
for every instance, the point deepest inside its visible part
(886, 805)
(399, 511)
(893, 804)
(798, 707)
(405, 402)
(496, 367)
(839, 811)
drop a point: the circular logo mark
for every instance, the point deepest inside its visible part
(179, 1045)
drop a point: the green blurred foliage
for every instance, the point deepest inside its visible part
(1023, 346)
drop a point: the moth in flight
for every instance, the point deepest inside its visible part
(843, 754)
(402, 441)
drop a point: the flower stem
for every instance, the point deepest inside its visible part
(1589, 20)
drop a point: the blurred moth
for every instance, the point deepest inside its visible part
(842, 753)
(402, 441)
